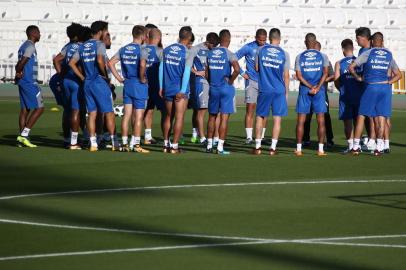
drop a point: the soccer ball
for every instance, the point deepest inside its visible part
(119, 110)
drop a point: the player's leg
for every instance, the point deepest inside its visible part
(321, 132)
(349, 133)
(307, 126)
(380, 123)
(22, 118)
(276, 131)
(259, 124)
(388, 127)
(251, 96)
(279, 109)
(301, 118)
(180, 109)
(167, 124)
(223, 133)
(195, 126)
(211, 128)
(200, 125)
(137, 129)
(125, 120)
(371, 145)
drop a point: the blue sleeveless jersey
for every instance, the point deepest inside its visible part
(219, 67)
(350, 89)
(271, 63)
(153, 67)
(88, 57)
(311, 66)
(70, 49)
(377, 67)
(30, 71)
(174, 61)
(130, 57)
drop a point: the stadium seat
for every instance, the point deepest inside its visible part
(245, 3)
(188, 2)
(313, 19)
(331, 3)
(396, 4)
(290, 3)
(397, 20)
(334, 19)
(207, 2)
(209, 18)
(352, 3)
(147, 2)
(91, 14)
(68, 1)
(311, 3)
(374, 3)
(130, 17)
(71, 14)
(355, 19)
(377, 19)
(293, 18)
(112, 15)
(230, 18)
(86, 1)
(189, 16)
(10, 13)
(108, 2)
(151, 16)
(228, 2)
(170, 17)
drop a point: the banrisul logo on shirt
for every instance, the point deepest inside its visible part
(175, 49)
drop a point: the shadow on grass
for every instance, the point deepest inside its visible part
(391, 200)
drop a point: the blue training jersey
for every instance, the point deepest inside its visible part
(87, 53)
(69, 50)
(350, 89)
(272, 61)
(311, 63)
(30, 71)
(154, 58)
(377, 65)
(249, 51)
(174, 61)
(130, 57)
(219, 64)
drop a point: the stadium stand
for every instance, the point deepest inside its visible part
(331, 20)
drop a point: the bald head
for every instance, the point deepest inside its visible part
(155, 36)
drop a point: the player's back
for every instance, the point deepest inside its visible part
(271, 63)
(30, 72)
(88, 55)
(377, 67)
(153, 60)
(350, 88)
(311, 65)
(249, 52)
(130, 56)
(70, 49)
(174, 60)
(218, 61)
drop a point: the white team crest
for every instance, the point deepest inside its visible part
(273, 50)
(381, 53)
(310, 54)
(175, 49)
(217, 52)
(130, 48)
(87, 45)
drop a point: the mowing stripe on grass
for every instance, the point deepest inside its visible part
(310, 182)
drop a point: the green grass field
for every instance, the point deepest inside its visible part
(110, 210)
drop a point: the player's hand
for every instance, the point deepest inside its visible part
(161, 93)
(144, 80)
(179, 96)
(120, 80)
(19, 75)
(359, 78)
(200, 73)
(245, 76)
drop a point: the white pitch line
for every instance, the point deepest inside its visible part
(311, 182)
(333, 243)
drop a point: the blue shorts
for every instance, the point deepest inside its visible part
(98, 95)
(200, 98)
(56, 85)
(222, 100)
(30, 96)
(154, 100)
(74, 94)
(376, 100)
(135, 93)
(171, 98)
(347, 111)
(267, 100)
(307, 103)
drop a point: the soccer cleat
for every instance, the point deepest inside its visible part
(249, 141)
(223, 152)
(125, 148)
(150, 141)
(75, 147)
(137, 148)
(93, 149)
(321, 154)
(377, 153)
(356, 152)
(386, 151)
(209, 150)
(256, 151)
(346, 151)
(273, 152)
(298, 153)
(166, 149)
(25, 141)
(194, 140)
(176, 151)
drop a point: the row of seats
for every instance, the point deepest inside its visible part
(243, 3)
(170, 16)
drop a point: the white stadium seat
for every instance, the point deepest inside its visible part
(293, 18)
(130, 17)
(355, 19)
(90, 15)
(290, 3)
(397, 20)
(189, 16)
(334, 19)
(112, 15)
(331, 3)
(209, 17)
(352, 3)
(71, 14)
(374, 3)
(313, 19)
(208, 2)
(230, 18)
(311, 3)
(395, 4)
(377, 19)
(247, 3)
(188, 2)
(170, 17)
(150, 16)
(10, 13)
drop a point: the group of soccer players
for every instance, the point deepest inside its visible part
(201, 77)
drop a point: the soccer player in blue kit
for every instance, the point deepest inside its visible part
(220, 62)
(91, 55)
(133, 58)
(174, 75)
(379, 72)
(311, 70)
(249, 51)
(272, 64)
(350, 92)
(31, 101)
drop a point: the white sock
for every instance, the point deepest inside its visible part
(380, 145)
(148, 134)
(132, 141)
(25, 132)
(166, 143)
(356, 144)
(175, 146)
(220, 146)
(202, 139)
(209, 143)
(194, 132)
(258, 143)
(386, 144)
(93, 141)
(137, 140)
(299, 147)
(216, 139)
(371, 142)
(249, 133)
(273, 145)
(74, 138)
(350, 143)
(124, 139)
(113, 140)
(321, 147)
(263, 133)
